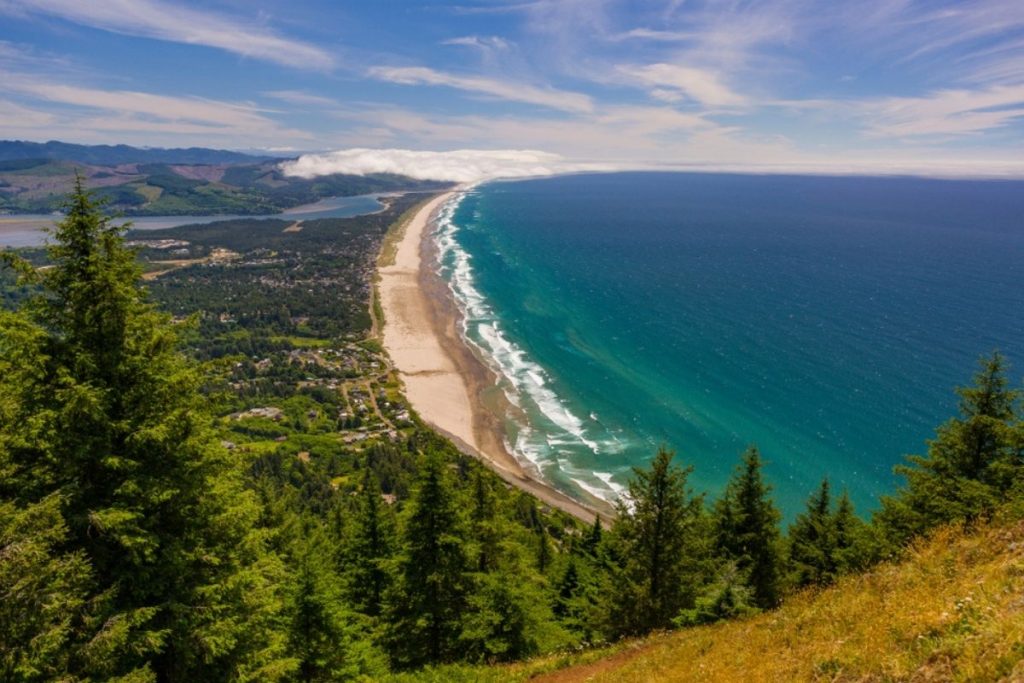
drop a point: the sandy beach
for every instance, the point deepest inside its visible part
(445, 383)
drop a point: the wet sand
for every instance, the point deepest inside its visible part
(445, 383)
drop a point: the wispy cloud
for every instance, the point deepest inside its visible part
(700, 85)
(656, 35)
(947, 112)
(505, 90)
(613, 135)
(300, 97)
(16, 117)
(84, 111)
(175, 23)
(485, 43)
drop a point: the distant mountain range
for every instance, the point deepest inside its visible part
(35, 178)
(111, 155)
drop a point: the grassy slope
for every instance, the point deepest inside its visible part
(952, 611)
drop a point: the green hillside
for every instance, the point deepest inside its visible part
(952, 610)
(40, 185)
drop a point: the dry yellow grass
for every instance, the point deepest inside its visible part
(953, 610)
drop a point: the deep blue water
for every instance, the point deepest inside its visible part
(825, 319)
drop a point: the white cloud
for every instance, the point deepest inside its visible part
(81, 112)
(17, 117)
(515, 92)
(485, 43)
(700, 85)
(300, 98)
(654, 35)
(462, 165)
(174, 23)
(947, 112)
(942, 113)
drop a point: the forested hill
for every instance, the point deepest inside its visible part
(35, 178)
(112, 155)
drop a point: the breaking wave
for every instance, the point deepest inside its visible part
(546, 431)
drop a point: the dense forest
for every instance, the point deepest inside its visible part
(240, 493)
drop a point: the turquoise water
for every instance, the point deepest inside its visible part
(827, 320)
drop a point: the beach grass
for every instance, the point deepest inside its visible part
(393, 237)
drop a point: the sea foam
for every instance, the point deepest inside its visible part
(548, 425)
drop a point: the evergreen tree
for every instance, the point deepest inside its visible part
(544, 551)
(429, 597)
(509, 614)
(102, 411)
(974, 461)
(486, 524)
(592, 542)
(568, 589)
(656, 537)
(44, 613)
(370, 546)
(812, 541)
(324, 637)
(747, 529)
(576, 602)
(850, 551)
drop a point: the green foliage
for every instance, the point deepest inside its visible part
(508, 618)
(826, 540)
(102, 411)
(747, 530)
(432, 584)
(852, 541)
(324, 635)
(370, 545)
(133, 546)
(45, 609)
(812, 541)
(657, 538)
(973, 464)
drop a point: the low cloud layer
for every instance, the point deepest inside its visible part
(462, 165)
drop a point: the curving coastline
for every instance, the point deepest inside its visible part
(445, 383)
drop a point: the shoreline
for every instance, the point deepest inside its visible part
(445, 383)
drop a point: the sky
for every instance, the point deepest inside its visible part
(834, 85)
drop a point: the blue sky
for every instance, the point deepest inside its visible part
(830, 84)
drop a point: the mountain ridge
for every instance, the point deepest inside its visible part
(105, 155)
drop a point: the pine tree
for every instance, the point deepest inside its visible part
(544, 551)
(371, 544)
(747, 529)
(432, 587)
(592, 542)
(812, 541)
(103, 411)
(973, 462)
(323, 634)
(656, 538)
(486, 525)
(568, 589)
(850, 551)
(44, 613)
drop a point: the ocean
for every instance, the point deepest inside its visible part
(825, 319)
